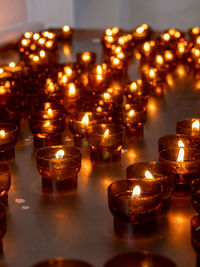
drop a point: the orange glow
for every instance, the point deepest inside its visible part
(195, 125)
(47, 124)
(28, 34)
(2, 133)
(106, 96)
(148, 175)
(49, 44)
(108, 32)
(159, 59)
(41, 41)
(42, 54)
(12, 65)
(65, 28)
(50, 112)
(1, 70)
(195, 30)
(24, 42)
(109, 39)
(133, 86)
(33, 47)
(120, 55)
(68, 71)
(72, 89)
(166, 36)
(180, 144)
(106, 133)
(168, 55)
(36, 36)
(146, 46)
(60, 154)
(115, 30)
(131, 113)
(152, 73)
(136, 192)
(36, 58)
(180, 157)
(99, 77)
(64, 79)
(86, 57)
(85, 120)
(140, 30)
(99, 69)
(2, 90)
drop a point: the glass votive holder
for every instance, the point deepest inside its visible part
(58, 166)
(3, 225)
(178, 140)
(62, 262)
(5, 183)
(137, 259)
(134, 205)
(47, 121)
(8, 140)
(86, 60)
(141, 33)
(132, 117)
(78, 124)
(97, 79)
(105, 141)
(188, 127)
(195, 237)
(196, 194)
(184, 164)
(158, 172)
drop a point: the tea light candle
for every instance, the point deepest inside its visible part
(8, 140)
(47, 121)
(78, 124)
(185, 163)
(134, 205)
(5, 183)
(188, 127)
(58, 166)
(132, 117)
(141, 33)
(86, 59)
(140, 259)
(105, 141)
(178, 140)
(155, 171)
(97, 78)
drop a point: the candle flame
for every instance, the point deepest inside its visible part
(65, 28)
(180, 144)
(146, 46)
(195, 125)
(1, 70)
(64, 79)
(50, 112)
(133, 86)
(60, 154)
(47, 124)
(152, 73)
(108, 32)
(28, 34)
(148, 175)
(42, 53)
(12, 64)
(2, 133)
(41, 41)
(49, 44)
(72, 89)
(36, 36)
(106, 96)
(131, 113)
(106, 133)
(140, 30)
(68, 71)
(116, 61)
(180, 157)
(166, 36)
(86, 56)
(36, 58)
(24, 42)
(136, 191)
(159, 59)
(85, 120)
(99, 69)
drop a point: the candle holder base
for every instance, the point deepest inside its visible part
(62, 186)
(105, 155)
(183, 186)
(129, 229)
(7, 155)
(135, 133)
(46, 140)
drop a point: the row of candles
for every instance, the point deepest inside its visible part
(99, 113)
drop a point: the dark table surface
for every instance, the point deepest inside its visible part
(79, 225)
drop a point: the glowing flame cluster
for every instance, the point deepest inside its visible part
(60, 153)
(136, 192)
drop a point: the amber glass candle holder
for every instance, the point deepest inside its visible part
(86, 60)
(105, 141)
(5, 183)
(172, 140)
(134, 213)
(47, 121)
(97, 79)
(3, 225)
(141, 33)
(78, 124)
(62, 262)
(58, 166)
(185, 127)
(132, 117)
(137, 259)
(159, 171)
(185, 171)
(8, 140)
(196, 195)
(195, 237)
